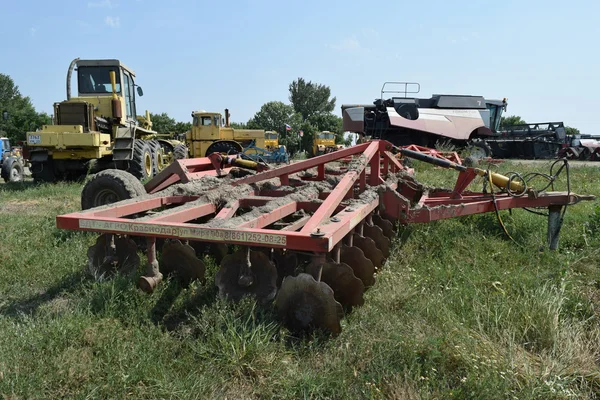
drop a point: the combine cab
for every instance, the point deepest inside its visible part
(100, 125)
(460, 120)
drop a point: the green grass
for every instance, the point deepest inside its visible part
(459, 311)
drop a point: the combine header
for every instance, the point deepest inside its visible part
(309, 236)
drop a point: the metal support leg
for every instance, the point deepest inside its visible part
(336, 253)
(153, 276)
(554, 225)
(315, 268)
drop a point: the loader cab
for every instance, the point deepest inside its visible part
(206, 125)
(94, 86)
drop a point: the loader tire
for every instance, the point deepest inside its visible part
(180, 152)
(110, 186)
(158, 161)
(142, 164)
(43, 172)
(12, 170)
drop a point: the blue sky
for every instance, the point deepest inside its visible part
(188, 55)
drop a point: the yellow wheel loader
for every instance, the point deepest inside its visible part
(99, 128)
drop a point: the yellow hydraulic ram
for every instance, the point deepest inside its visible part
(499, 180)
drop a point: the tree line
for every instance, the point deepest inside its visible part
(17, 113)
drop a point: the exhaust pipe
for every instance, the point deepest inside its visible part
(69, 73)
(227, 118)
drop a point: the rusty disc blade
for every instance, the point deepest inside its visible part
(369, 248)
(363, 267)
(263, 284)
(286, 264)
(347, 289)
(305, 305)
(124, 260)
(386, 226)
(376, 233)
(127, 256)
(180, 260)
(98, 264)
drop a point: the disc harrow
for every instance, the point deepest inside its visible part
(309, 236)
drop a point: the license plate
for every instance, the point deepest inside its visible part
(34, 139)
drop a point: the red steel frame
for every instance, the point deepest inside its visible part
(331, 218)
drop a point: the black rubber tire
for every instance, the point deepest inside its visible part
(43, 172)
(138, 166)
(180, 152)
(157, 156)
(12, 170)
(481, 147)
(110, 186)
(224, 147)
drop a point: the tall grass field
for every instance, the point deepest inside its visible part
(459, 311)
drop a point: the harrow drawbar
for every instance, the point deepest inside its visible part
(311, 235)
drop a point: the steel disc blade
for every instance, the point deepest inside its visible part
(264, 277)
(347, 289)
(369, 248)
(124, 260)
(98, 265)
(180, 259)
(386, 226)
(286, 264)
(305, 305)
(376, 233)
(127, 256)
(363, 267)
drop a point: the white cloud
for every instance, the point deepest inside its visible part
(101, 3)
(349, 45)
(113, 22)
(32, 31)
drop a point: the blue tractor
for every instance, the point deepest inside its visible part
(12, 164)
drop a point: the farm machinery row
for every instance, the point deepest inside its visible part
(99, 129)
(309, 237)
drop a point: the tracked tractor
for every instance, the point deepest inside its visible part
(99, 128)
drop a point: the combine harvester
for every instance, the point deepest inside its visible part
(310, 236)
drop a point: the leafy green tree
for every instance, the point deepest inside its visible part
(308, 98)
(572, 131)
(273, 116)
(22, 116)
(239, 125)
(511, 120)
(182, 127)
(162, 123)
